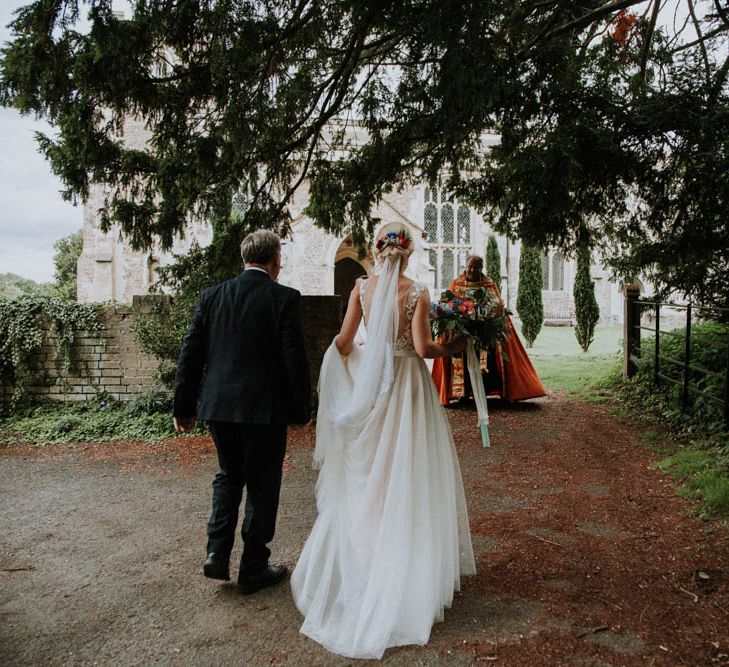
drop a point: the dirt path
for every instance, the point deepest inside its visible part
(585, 555)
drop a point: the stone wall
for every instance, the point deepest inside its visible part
(112, 361)
(322, 318)
(559, 308)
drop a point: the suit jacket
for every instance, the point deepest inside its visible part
(245, 346)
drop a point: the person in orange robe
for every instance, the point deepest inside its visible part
(510, 376)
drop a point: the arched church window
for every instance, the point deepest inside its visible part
(461, 263)
(431, 222)
(446, 219)
(447, 224)
(545, 271)
(553, 271)
(558, 271)
(447, 267)
(433, 258)
(464, 225)
(239, 205)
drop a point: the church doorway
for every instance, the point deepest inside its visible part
(346, 272)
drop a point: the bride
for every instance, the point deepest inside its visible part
(391, 540)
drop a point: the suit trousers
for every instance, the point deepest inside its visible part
(251, 457)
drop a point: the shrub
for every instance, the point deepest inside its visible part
(22, 333)
(586, 309)
(148, 418)
(493, 261)
(152, 402)
(709, 342)
(529, 297)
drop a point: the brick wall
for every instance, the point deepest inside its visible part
(109, 360)
(112, 361)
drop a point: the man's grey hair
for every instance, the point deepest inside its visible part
(477, 257)
(260, 247)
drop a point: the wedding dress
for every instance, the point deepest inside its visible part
(391, 540)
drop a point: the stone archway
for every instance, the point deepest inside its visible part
(347, 268)
(346, 272)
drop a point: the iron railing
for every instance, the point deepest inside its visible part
(689, 371)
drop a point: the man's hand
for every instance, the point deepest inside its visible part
(184, 424)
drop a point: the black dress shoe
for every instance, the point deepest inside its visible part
(217, 567)
(250, 583)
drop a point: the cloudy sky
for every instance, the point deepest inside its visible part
(32, 214)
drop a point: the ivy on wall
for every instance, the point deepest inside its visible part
(22, 332)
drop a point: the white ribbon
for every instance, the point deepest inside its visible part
(479, 393)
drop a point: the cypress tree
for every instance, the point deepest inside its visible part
(529, 297)
(493, 261)
(586, 308)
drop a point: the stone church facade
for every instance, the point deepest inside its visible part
(317, 263)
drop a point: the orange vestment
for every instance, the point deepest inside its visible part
(519, 380)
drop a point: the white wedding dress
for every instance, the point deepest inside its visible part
(391, 540)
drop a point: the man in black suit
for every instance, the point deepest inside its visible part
(246, 347)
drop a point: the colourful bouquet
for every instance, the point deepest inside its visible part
(478, 315)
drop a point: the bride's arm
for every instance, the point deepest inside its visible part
(423, 341)
(346, 335)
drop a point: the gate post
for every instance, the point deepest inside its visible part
(685, 396)
(631, 330)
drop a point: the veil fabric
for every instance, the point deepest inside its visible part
(371, 372)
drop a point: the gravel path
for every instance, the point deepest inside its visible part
(585, 555)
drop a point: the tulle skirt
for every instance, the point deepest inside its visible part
(391, 540)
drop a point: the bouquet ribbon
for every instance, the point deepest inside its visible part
(479, 393)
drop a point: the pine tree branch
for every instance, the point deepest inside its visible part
(720, 80)
(702, 46)
(581, 22)
(701, 40)
(722, 12)
(649, 38)
(588, 39)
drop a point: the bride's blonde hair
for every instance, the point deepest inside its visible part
(392, 242)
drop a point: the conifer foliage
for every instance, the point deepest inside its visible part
(529, 304)
(493, 261)
(586, 309)
(596, 103)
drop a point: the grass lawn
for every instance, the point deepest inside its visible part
(561, 363)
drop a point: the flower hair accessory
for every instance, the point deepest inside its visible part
(400, 239)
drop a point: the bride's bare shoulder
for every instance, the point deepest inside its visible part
(406, 283)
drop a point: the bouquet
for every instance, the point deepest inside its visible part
(482, 319)
(478, 315)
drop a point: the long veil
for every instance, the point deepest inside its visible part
(349, 388)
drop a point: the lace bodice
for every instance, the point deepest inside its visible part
(407, 303)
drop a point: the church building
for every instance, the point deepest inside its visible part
(315, 262)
